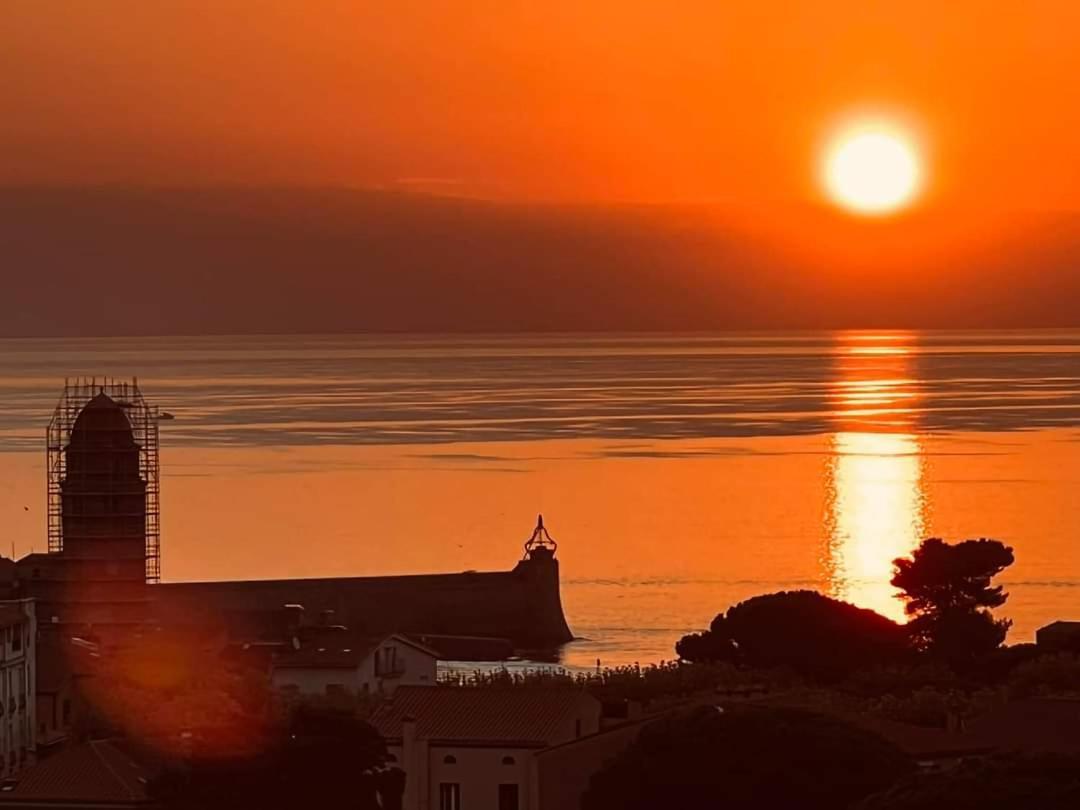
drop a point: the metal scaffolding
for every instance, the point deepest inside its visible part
(143, 419)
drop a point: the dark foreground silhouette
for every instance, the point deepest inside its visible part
(947, 594)
(747, 758)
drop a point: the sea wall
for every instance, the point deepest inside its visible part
(522, 605)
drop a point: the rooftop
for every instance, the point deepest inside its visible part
(102, 421)
(517, 714)
(92, 773)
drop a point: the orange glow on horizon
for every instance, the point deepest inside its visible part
(722, 102)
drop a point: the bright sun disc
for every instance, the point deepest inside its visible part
(872, 171)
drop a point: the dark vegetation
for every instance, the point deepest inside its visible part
(747, 758)
(215, 736)
(948, 596)
(946, 664)
(324, 759)
(1031, 782)
(805, 631)
(222, 739)
(841, 657)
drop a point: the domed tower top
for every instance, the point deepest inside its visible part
(103, 480)
(102, 424)
(102, 443)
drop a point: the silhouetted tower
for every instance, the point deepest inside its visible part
(540, 545)
(103, 503)
(538, 573)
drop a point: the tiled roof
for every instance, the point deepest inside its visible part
(91, 772)
(456, 713)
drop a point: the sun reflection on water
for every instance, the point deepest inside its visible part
(877, 507)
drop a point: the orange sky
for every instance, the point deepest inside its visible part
(601, 101)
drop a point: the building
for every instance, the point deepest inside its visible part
(563, 771)
(102, 476)
(522, 607)
(1059, 636)
(475, 747)
(18, 668)
(343, 664)
(100, 577)
(63, 665)
(96, 775)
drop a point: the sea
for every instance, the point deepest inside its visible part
(679, 473)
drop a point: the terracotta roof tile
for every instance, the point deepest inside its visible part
(96, 771)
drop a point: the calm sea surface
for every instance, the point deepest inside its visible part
(678, 473)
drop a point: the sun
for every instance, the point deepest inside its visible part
(872, 169)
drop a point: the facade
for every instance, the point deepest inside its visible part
(18, 671)
(562, 772)
(62, 665)
(465, 747)
(349, 666)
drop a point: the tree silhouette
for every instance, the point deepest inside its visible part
(804, 630)
(949, 596)
(319, 758)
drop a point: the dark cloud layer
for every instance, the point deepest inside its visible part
(80, 262)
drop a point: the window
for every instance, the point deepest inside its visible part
(509, 761)
(67, 713)
(449, 796)
(449, 759)
(508, 797)
(16, 641)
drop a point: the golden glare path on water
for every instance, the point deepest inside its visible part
(877, 504)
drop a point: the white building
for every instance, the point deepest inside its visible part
(342, 665)
(475, 748)
(18, 669)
